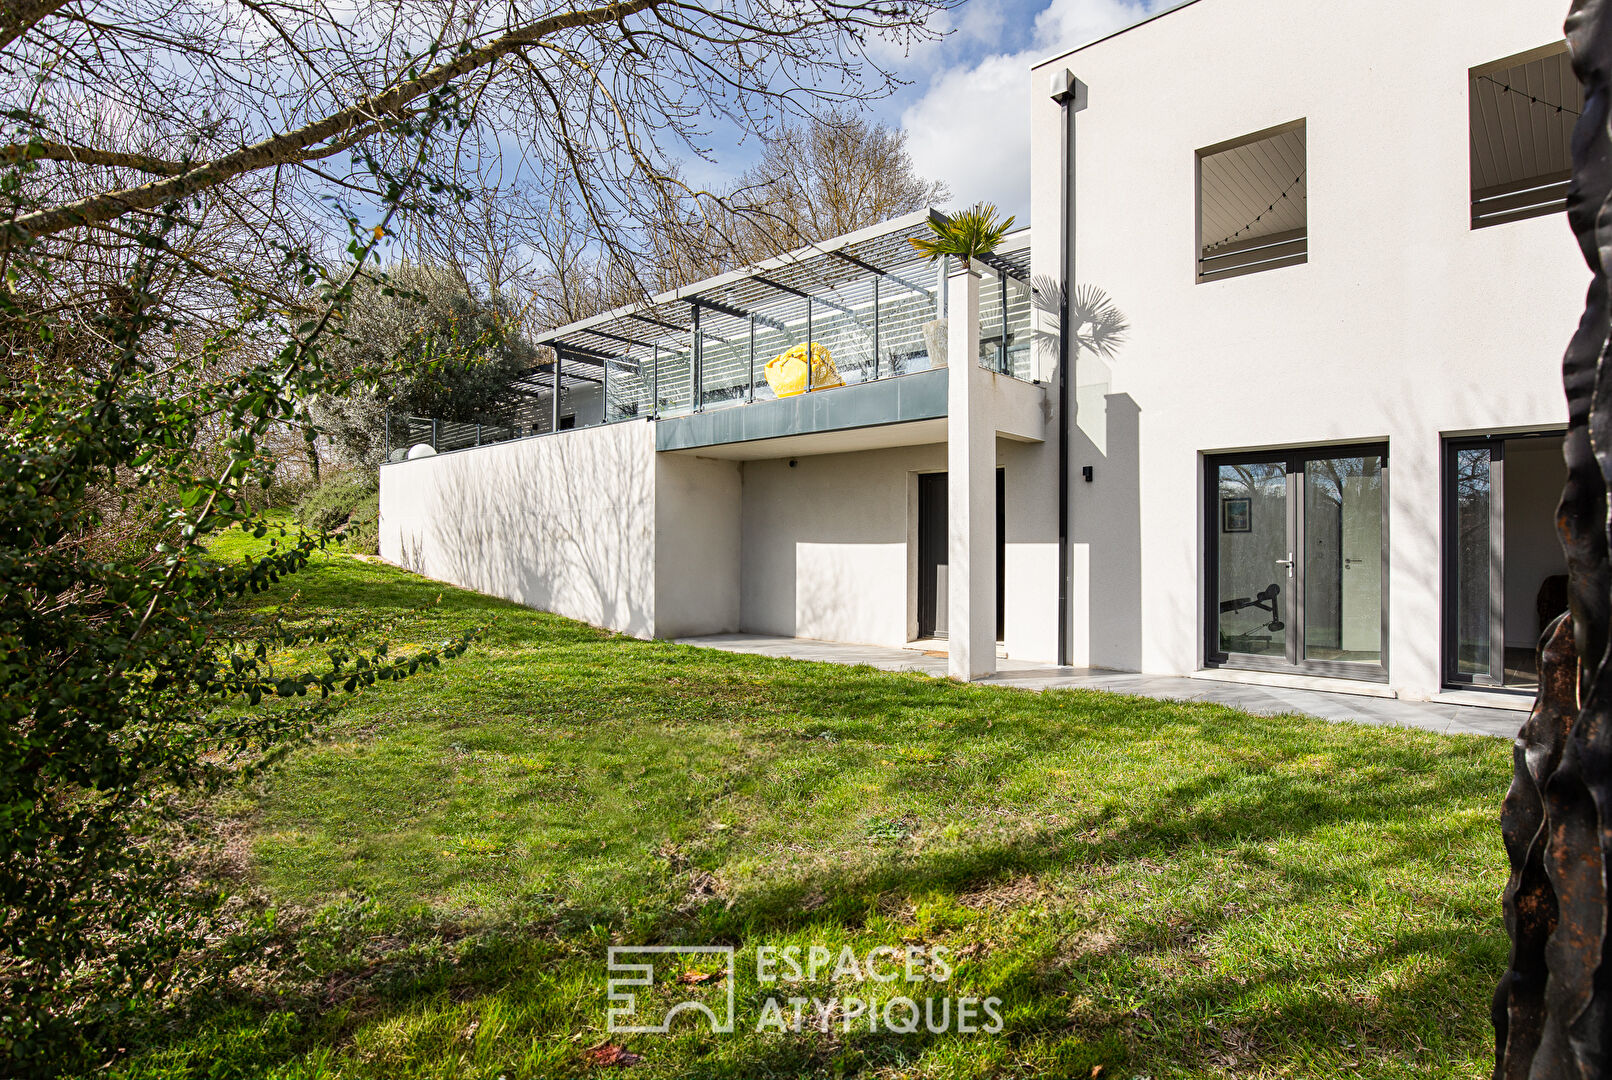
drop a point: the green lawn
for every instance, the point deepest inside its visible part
(1158, 889)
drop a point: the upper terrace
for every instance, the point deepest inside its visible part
(696, 358)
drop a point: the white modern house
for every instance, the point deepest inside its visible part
(1326, 454)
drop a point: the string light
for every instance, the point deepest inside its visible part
(1523, 93)
(1261, 216)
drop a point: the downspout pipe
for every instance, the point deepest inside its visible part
(1065, 92)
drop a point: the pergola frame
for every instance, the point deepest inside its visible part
(625, 339)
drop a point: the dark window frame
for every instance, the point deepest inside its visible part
(1450, 675)
(1293, 459)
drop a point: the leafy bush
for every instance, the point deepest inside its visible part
(346, 505)
(432, 346)
(134, 684)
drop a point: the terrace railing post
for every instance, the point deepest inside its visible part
(875, 327)
(654, 382)
(478, 433)
(750, 387)
(697, 364)
(554, 402)
(1002, 363)
(808, 344)
(433, 433)
(387, 424)
(604, 391)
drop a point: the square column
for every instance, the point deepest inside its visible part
(971, 487)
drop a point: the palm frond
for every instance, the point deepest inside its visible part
(966, 234)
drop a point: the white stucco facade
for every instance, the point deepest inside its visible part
(1404, 330)
(1406, 325)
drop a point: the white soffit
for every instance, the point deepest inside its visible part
(1524, 132)
(1242, 189)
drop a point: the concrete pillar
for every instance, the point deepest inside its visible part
(970, 488)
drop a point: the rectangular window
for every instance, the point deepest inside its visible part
(1252, 212)
(1521, 131)
(1297, 561)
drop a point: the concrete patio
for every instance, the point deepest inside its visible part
(1446, 718)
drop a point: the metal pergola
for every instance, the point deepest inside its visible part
(728, 312)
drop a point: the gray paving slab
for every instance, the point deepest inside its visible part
(1443, 717)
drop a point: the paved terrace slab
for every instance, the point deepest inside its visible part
(1442, 717)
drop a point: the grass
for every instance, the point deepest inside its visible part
(1151, 889)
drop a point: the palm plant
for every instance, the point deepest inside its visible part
(965, 235)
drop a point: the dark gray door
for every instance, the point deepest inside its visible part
(932, 555)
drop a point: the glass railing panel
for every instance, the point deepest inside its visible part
(780, 327)
(582, 401)
(627, 385)
(673, 384)
(844, 323)
(912, 330)
(1020, 343)
(1005, 336)
(724, 359)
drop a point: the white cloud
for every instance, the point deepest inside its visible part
(1065, 24)
(971, 128)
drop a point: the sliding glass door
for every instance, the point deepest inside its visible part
(1505, 578)
(1297, 571)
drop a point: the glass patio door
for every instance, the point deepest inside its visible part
(1297, 562)
(1475, 562)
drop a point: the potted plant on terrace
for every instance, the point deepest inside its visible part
(964, 235)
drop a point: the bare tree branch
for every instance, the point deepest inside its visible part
(376, 112)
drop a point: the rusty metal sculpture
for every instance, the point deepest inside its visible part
(1553, 1008)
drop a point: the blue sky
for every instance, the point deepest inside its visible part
(965, 108)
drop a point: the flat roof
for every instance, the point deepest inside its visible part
(1054, 58)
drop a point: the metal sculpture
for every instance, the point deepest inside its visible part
(1553, 1008)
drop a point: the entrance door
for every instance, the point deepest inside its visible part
(1296, 551)
(932, 555)
(932, 541)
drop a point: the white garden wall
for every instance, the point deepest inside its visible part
(565, 523)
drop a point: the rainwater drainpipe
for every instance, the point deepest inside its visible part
(1066, 92)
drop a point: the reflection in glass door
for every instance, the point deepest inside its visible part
(1343, 553)
(1297, 561)
(1476, 571)
(1255, 559)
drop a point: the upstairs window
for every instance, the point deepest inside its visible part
(1251, 204)
(1522, 114)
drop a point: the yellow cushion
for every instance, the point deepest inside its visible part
(786, 372)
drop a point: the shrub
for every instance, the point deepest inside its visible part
(346, 505)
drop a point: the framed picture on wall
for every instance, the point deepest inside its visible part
(1236, 515)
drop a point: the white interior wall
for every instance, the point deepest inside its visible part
(1404, 325)
(1534, 473)
(563, 523)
